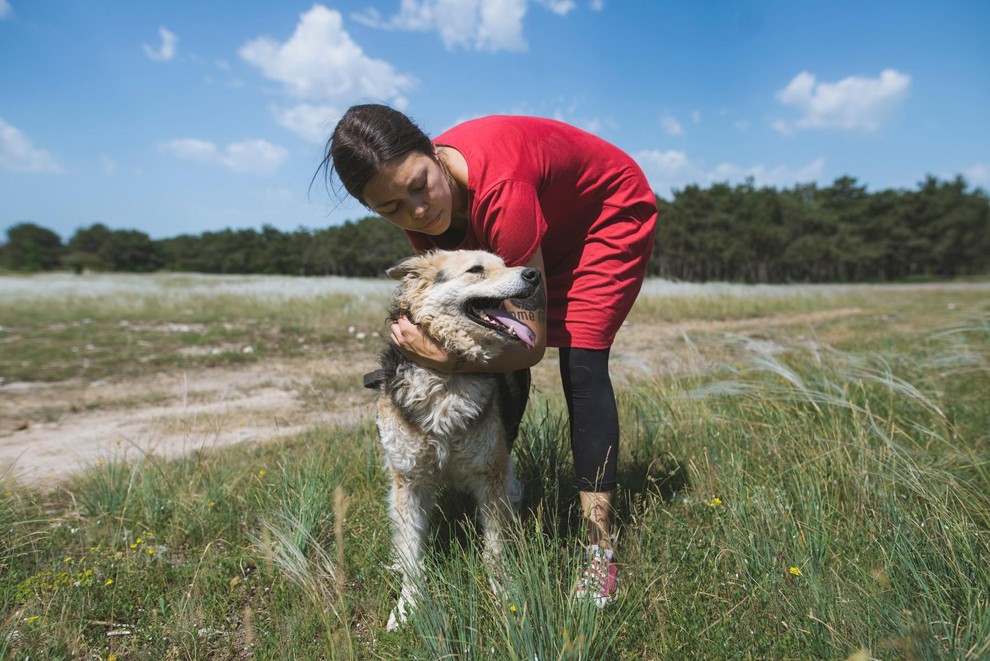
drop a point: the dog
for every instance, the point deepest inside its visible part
(456, 429)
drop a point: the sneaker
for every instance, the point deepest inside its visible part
(599, 579)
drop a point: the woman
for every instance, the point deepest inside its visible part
(539, 193)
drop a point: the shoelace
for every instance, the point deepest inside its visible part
(596, 573)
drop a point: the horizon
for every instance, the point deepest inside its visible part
(186, 119)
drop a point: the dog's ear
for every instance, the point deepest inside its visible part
(404, 267)
(417, 265)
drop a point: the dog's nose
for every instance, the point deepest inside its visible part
(532, 276)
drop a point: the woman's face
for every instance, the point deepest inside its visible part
(412, 193)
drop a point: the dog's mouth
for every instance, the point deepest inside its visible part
(489, 313)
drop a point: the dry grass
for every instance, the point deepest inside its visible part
(804, 475)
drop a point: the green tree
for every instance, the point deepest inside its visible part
(840, 232)
(131, 250)
(99, 248)
(365, 248)
(31, 247)
(86, 249)
(952, 224)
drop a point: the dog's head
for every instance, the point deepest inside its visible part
(457, 297)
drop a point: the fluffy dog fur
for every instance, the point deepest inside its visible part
(458, 429)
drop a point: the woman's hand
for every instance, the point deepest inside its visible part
(425, 352)
(419, 348)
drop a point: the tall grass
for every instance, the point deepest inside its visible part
(834, 504)
(99, 326)
(806, 499)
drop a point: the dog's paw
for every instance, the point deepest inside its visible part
(397, 617)
(496, 583)
(516, 494)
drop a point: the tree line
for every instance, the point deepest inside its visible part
(806, 233)
(839, 233)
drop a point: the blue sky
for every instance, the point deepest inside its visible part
(185, 117)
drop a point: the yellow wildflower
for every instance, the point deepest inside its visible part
(261, 473)
(68, 558)
(150, 551)
(109, 582)
(31, 619)
(512, 608)
(715, 502)
(795, 571)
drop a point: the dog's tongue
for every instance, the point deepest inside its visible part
(522, 331)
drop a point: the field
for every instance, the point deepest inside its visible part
(190, 471)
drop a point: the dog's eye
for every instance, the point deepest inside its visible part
(476, 269)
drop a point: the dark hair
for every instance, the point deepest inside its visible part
(365, 138)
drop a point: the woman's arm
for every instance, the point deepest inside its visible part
(531, 311)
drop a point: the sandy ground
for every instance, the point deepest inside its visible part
(170, 414)
(166, 415)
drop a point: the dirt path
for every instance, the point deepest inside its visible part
(174, 413)
(167, 415)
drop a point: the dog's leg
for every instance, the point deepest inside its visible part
(515, 488)
(409, 508)
(497, 492)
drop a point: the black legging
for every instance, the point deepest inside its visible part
(593, 416)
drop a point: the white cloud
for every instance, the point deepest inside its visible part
(487, 25)
(592, 125)
(166, 51)
(852, 104)
(978, 174)
(258, 156)
(671, 125)
(325, 69)
(5, 9)
(663, 165)
(782, 127)
(597, 5)
(559, 7)
(18, 153)
(320, 62)
(108, 164)
(780, 176)
(673, 170)
(312, 123)
(247, 156)
(192, 149)
(696, 116)
(501, 25)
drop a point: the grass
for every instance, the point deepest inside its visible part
(93, 327)
(821, 492)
